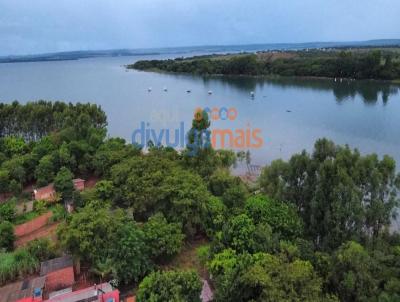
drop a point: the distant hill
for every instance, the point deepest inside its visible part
(75, 55)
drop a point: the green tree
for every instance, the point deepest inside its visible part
(264, 277)
(15, 187)
(112, 152)
(176, 286)
(8, 210)
(199, 152)
(150, 184)
(15, 168)
(44, 172)
(231, 189)
(215, 216)
(64, 157)
(63, 183)
(13, 145)
(163, 239)
(353, 273)
(4, 181)
(282, 217)
(105, 190)
(130, 254)
(7, 236)
(107, 235)
(90, 236)
(340, 194)
(238, 234)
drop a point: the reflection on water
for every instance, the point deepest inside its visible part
(343, 89)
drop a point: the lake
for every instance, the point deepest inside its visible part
(290, 114)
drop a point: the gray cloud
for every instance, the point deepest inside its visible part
(38, 26)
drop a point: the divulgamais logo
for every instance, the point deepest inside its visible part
(219, 138)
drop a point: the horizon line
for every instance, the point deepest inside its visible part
(195, 46)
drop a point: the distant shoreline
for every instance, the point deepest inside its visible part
(372, 63)
(268, 77)
(211, 49)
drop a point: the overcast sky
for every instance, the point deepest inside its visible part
(37, 26)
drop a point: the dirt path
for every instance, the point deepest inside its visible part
(46, 231)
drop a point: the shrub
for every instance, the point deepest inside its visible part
(59, 213)
(17, 264)
(8, 210)
(203, 254)
(7, 236)
(40, 206)
(42, 249)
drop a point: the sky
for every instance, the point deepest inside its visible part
(40, 26)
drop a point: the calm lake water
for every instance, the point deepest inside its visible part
(290, 113)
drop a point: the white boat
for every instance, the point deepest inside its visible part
(252, 94)
(209, 92)
(149, 89)
(165, 89)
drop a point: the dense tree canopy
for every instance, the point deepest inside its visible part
(35, 120)
(264, 277)
(163, 239)
(109, 236)
(39, 138)
(282, 217)
(354, 64)
(151, 184)
(314, 228)
(340, 194)
(177, 286)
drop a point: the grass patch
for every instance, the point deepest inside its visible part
(25, 261)
(16, 264)
(188, 258)
(20, 219)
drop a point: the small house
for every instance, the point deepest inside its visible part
(97, 293)
(48, 192)
(45, 193)
(59, 273)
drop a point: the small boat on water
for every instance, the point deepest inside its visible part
(209, 92)
(165, 88)
(252, 94)
(188, 91)
(149, 89)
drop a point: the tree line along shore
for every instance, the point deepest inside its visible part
(368, 63)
